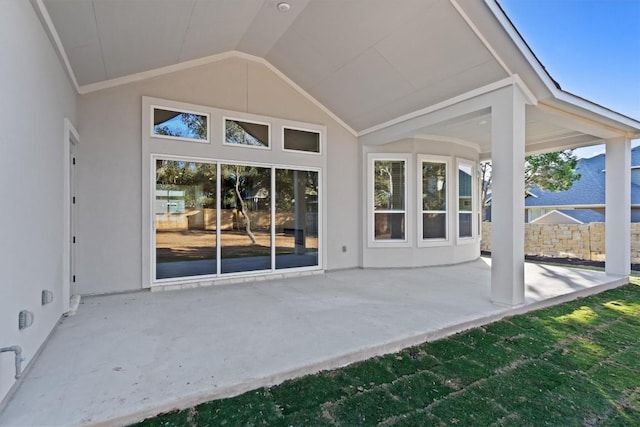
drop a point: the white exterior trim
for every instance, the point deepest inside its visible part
(51, 29)
(71, 137)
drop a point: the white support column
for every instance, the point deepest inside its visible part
(507, 197)
(618, 207)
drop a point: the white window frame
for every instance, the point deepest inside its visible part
(179, 138)
(474, 235)
(422, 242)
(252, 273)
(372, 242)
(239, 119)
(311, 153)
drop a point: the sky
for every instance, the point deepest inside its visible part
(590, 47)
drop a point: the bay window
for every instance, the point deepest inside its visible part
(388, 199)
(432, 186)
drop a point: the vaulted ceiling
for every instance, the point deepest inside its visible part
(367, 61)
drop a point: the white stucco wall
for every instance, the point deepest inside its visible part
(411, 254)
(35, 98)
(110, 177)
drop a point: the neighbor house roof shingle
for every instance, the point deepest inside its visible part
(588, 190)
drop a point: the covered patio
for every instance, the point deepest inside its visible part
(125, 357)
(426, 89)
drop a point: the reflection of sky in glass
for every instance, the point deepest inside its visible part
(177, 126)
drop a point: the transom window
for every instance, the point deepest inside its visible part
(301, 140)
(179, 124)
(247, 134)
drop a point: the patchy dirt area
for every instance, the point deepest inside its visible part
(201, 244)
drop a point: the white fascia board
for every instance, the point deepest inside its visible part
(544, 76)
(50, 29)
(594, 108)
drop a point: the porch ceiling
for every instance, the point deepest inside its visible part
(544, 130)
(367, 61)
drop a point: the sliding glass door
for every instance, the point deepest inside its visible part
(245, 229)
(185, 218)
(296, 218)
(214, 219)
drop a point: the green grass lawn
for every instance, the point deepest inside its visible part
(576, 364)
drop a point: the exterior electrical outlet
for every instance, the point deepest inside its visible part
(25, 319)
(47, 297)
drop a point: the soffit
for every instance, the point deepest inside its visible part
(542, 131)
(368, 61)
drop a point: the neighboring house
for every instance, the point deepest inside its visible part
(585, 195)
(569, 216)
(354, 127)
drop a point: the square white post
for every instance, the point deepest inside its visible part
(507, 197)
(618, 207)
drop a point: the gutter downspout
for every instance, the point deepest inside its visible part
(18, 357)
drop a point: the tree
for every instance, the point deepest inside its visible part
(240, 182)
(549, 171)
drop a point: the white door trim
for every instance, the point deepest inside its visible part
(71, 141)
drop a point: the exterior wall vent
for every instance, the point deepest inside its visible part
(25, 319)
(47, 297)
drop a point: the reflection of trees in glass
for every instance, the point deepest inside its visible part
(241, 183)
(434, 180)
(388, 184)
(197, 180)
(237, 134)
(192, 126)
(285, 187)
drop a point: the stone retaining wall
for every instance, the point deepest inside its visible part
(582, 241)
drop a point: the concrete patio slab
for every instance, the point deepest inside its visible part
(124, 357)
